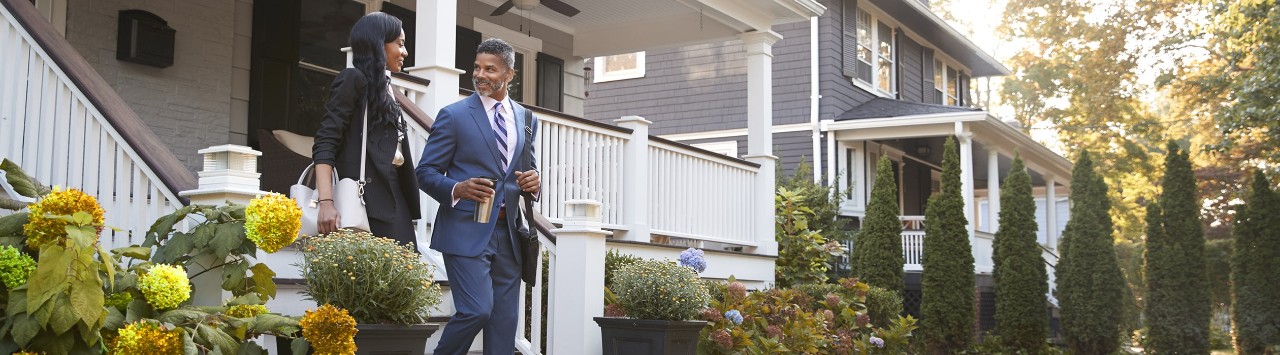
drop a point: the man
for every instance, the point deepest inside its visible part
(480, 136)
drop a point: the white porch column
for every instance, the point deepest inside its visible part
(635, 180)
(993, 189)
(965, 139)
(579, 276)
(435, 39)
(230, 174)
(1051, 211)
(759, 47)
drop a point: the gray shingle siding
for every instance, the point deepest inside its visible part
(789, 147)
(910, 72)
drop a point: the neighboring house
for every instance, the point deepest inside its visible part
(116, 97)
(866, 79)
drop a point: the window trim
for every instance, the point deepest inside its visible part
(876, 18)
(603, 75)
(727, 148)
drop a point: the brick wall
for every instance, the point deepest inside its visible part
(188, 105)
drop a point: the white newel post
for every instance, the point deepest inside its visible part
(230, 174)
(435, 40)
(965, 139)
(1051, 211)
(759, 48)
(579, 276)
(635, 180)
(993, 188)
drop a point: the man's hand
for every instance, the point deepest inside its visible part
(529, 181)
(475, 189)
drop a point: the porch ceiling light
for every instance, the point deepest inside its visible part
(525, 4)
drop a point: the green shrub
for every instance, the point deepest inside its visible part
(1020, 278)
(947, 283)
(375, 279)
(661, 290)
(614, 260)
(877, 253)
(1178, 307)
(1090, 286)
(804, 255)
(883, 305)
(1254, 283)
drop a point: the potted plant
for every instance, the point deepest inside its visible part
(660, 300)
(385, 286)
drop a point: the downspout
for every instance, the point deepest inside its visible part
(813, 99)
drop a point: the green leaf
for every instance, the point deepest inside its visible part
(299, 346)
(202, 235)
(227, 237)
(181, 315)
(188, 345)
(251, 348)
(233, 275)
(173, 249)
(217, 338)
(62, 317)
(162, 227)
(81, 236)
(138, 309)
(136, 252)
(22, 183)
(50, 276)
(15, 241)
(12, 224)
(274, 323)
(264, 281)
(114, 320)
(245, 299)
(87, 299)
(24, 329)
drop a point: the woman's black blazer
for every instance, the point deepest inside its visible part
(338, 144)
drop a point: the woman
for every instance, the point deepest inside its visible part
(391, 191)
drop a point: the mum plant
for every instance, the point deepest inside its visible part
(375, 279)
(660, 290)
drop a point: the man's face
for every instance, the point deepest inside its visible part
(490, 76)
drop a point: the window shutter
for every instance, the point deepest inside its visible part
(849, 43)
(465, 55)
(926, 66)
(550, 82)
(964, 91)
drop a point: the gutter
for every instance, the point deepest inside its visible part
(813, 99)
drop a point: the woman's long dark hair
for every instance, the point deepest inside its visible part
(368, 36)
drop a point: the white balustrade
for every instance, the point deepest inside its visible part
(50, 129)
(700, 195)
(912, 222)
(913, 250)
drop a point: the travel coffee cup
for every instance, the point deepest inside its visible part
(483, 209)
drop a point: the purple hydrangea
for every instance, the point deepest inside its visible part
(693, 259)
(879, 343)
(734, 316)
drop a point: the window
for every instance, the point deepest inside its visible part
(727, 148)
(953, 89)
(619, 67)
(874, 61)
(939, 84)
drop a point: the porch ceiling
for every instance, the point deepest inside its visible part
(606, 27)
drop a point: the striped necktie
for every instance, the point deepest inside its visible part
(500, 133)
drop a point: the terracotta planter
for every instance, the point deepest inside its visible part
(626, 336)
(386, 339)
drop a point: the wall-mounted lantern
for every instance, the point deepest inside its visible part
(144, 38)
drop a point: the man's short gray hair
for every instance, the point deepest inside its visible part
(499, 48)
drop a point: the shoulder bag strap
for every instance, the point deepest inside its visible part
(364, 151)
(528, 162)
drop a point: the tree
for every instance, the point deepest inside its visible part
(947, 283)
(824, 202)
(1255, 285)
(1178, 306)
(1021, 282)
(1090, 286)
(878, 248)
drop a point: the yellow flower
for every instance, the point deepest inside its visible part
(330, 330)
(272, 221)
(165, 286)
(28, 353)
(148, 338)
(41, 230)
(246, 310)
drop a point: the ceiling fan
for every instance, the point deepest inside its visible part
(554, 5)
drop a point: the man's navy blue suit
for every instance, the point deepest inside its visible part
(480, 258)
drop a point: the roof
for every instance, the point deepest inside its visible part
(934, 29)
(881, 107)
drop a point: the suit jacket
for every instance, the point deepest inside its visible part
(338, 144)
(462, 146)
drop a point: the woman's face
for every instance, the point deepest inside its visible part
(396, 53)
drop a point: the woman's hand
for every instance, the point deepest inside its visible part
(327, 221)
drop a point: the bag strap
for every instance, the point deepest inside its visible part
(309, 172)
(526, 165)
(364, 151)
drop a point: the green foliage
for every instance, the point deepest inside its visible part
(883, 305)
(376, 279)
(1255, 283)
(1020, 278)
(807, 319)
(995, 344)
(1129, 258)
(1178, 306)
(947, 283)
(824, 201)
(614, 260)
(804, 255)
(1090, 286)
(878, 249)
(15, 267)
(660, 290)
(22, 183)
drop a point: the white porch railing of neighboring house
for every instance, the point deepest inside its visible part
(982, 244)
(64, 125)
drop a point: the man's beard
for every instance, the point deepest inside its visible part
(492, 87)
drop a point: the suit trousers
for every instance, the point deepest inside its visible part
(486, 295)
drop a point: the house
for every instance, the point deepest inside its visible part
(865, 79)
(150, 105)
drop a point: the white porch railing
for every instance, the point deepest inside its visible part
(53, 130)
(982, 245)
(700, 195)
(912, 250)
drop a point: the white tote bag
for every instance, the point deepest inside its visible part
(348, 195)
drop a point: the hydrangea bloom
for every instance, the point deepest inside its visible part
(737, 290)
(246, 310)
(15, 267)
(41, 231)
(694, 259)
(148, 338)
(734, 316)
(722, 338)
(272, 221)
(119, 301)
(330, 330)
(165, 286)
(879, 343)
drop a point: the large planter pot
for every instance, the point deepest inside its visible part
(626, 336)
(385, 339)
